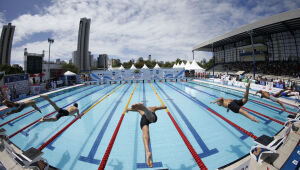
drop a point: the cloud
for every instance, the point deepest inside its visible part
(2, 19)
(132, 28)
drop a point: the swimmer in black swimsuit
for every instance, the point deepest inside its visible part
(235, 105)
(70, 111)
(148, 116)
(19, 106)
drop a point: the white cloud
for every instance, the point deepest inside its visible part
(2, 19)
(131, 28)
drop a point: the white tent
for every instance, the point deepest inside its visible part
(145, 67)
(175, 65)
(157, 66)
(121, 68)
(69, 73)
(182, 65)
(187, 66)
(196, 67)
(132, 67)
(109, 67)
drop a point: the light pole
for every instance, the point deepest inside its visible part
(50, 41)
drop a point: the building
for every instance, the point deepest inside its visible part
(6, 43)
(33, 62)
(149, 57)
(82, 57)
(102, 61)
(273, 39)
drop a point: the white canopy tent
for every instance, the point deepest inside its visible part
(132, 67)
(69, 73)
(157, 66)
(145, 67)
(187, 65)
(121, 67)
(182, 65)
(196, 67)
(175, 65)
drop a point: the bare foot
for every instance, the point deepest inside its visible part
(44, 96)
(254, 119)
(42, 119)
(149, 160)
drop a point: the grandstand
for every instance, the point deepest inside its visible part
(272, 45)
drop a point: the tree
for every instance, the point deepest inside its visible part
(70, 67)
(15, 69)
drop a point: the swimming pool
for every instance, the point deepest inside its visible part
(216, 136)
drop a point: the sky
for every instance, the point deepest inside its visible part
(128, 29)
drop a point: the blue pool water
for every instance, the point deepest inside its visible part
(84, 143)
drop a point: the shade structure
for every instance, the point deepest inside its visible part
(182, 65)
(132, 67)
(145, 67)
(157, 66)
(196, 67)
(187, 65)
(69, 73)
(175, 65)
(121, 67)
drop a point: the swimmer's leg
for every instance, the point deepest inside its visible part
(35, 106)
(281, 104)
(146, 138)
(245, 99)
(50, 101)
(50, 119)
(246, 114)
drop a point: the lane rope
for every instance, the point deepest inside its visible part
(74, 120)
(113, 138)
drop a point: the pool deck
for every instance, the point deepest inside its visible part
(283, 154)
(47, 93)
(284, 151)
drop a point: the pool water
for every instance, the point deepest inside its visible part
(84, 143)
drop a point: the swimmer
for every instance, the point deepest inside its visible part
(235, 105)
(70, 111)
(148, 116)
(271, 96)
(19, 106)
(287, 93)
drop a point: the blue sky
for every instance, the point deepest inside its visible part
(127, 29)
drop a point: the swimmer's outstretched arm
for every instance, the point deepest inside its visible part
(159, 107)
(78, 115)
(219, 99)
(130, 109)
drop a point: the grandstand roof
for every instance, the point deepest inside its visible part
(286, 21)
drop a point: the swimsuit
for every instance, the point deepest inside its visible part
(61, 113)
(235, 105)
(284, 94)
(20, 106)
(144, 121)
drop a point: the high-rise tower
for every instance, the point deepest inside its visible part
(6, 43)
(82, 53)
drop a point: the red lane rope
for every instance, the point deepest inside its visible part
(233, 124)
(198, 160)
(12, 135)
(275, 120)
(274, 107)
(74, 120)
(16, 118)
(110, 145)
(188, 144)
(113, 138)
